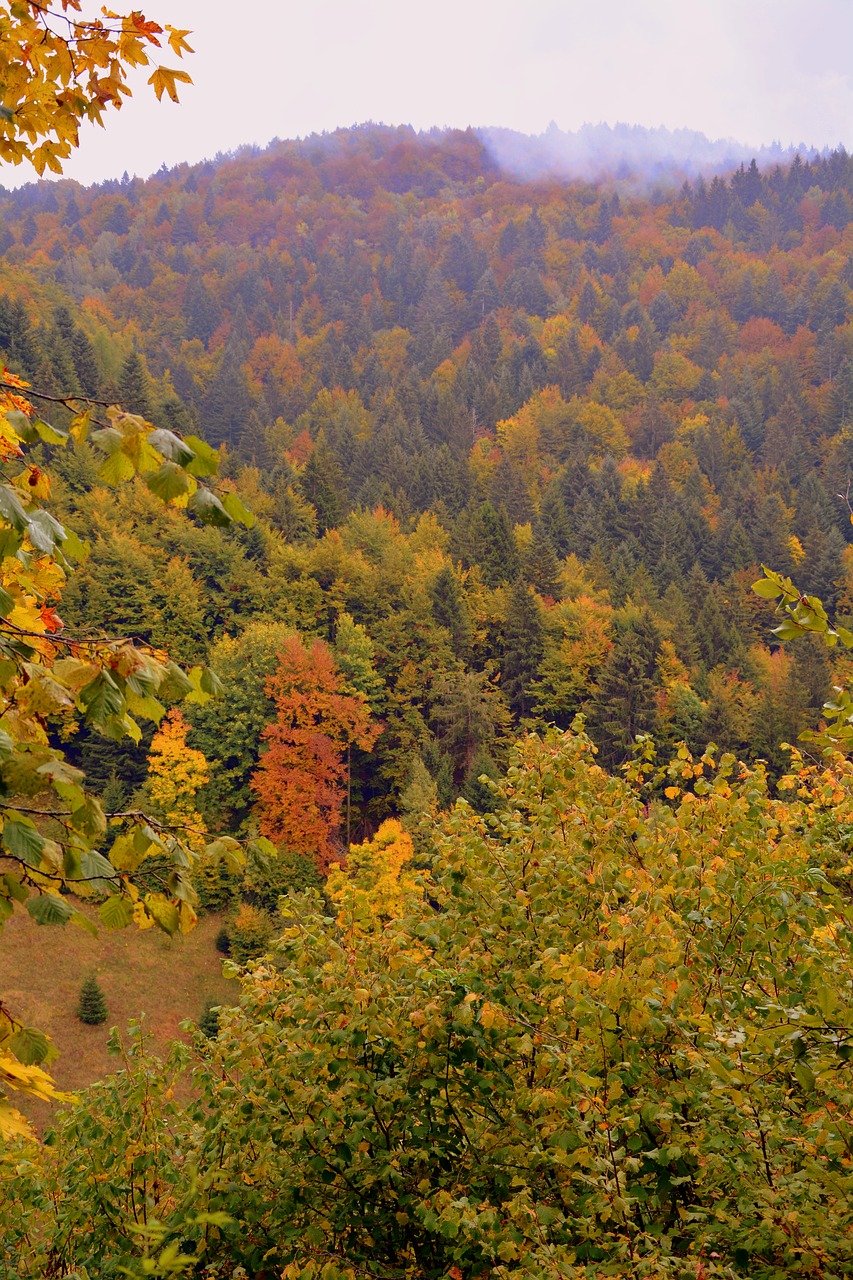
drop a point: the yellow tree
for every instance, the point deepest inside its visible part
(176, 774)
(376, 884)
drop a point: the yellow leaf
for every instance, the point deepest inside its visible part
(163, 81)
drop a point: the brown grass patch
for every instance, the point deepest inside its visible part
(165, 979)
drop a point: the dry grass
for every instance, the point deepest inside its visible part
(167, 980)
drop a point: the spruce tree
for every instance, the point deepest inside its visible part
(524, 645)
(92, 1005)
(134, 385)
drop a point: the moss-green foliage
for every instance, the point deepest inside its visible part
(289, 871)
(208, 1023)
(250, 933)
(613, 1041)
(92, 1005)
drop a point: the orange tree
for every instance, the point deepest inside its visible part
(300, 780)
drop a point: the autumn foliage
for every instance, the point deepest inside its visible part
(301, 779)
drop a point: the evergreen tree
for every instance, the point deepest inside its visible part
(524, 645)
(92, 1005)
(625, 705)
(134, 385)
(451, 611)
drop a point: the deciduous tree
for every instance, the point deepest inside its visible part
(300, 781)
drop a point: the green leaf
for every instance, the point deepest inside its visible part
(44, 532)
(229, 851)
(209, 509)
(148, 708)
(7, 602)
(97, 871)
(176, 684)
(49, 434)
(767, 589)
(11, 509)
(31, 1046)
(237, 511)
(168, 481)
(116, 912)
(19, 422)
(804, 1075)
(101, 698)
(49, 908)
(117, 469)
(83, 922)
(73, 547)
(22, 840)
(205, 461)
(200, 695)
(11, 887)
(165, 913)
(788, 630)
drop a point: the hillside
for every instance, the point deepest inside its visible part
(534, 438)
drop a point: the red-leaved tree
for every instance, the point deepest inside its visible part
(300, 781)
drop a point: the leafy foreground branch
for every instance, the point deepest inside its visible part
(51, 826)
(614, 1039)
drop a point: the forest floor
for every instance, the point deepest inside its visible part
(141, 973)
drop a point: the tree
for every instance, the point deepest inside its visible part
(176, 774)
(58, 69)
(375, 884)
(230, 744)
(92, 1005)
(523, 648)
(625, 705)
(300, 781)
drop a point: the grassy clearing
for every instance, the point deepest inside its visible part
(167, 979)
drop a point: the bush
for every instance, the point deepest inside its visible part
(222, 942)
(216, 886)
(251, 933)
(290, 871)
(208, 1023)
(92, 1005)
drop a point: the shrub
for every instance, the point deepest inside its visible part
(208, 1023)
(251, 933)
(289, 871)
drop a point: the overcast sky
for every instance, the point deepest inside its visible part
(755, 70)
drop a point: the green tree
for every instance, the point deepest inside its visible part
(523, 648)
(625, 704)
(92, 1005)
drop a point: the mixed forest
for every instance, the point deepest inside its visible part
(560, 989)
(527, 445)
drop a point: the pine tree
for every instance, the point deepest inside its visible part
(92, 1005)
(524, 638)
(625, 705)
(134, 386)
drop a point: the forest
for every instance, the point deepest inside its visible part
(396, 600)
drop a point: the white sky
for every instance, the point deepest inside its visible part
(754, 70)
